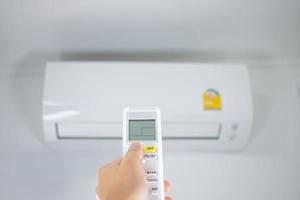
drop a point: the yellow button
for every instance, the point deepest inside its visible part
(150, 149)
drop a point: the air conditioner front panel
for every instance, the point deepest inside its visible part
(86, 99)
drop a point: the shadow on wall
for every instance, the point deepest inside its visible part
(261, 111)
(27, 87)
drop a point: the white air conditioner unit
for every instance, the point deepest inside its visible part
(207, 105)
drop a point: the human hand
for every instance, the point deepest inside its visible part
(125, 178)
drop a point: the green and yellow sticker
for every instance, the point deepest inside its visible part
(212, 100)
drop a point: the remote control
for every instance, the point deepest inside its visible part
(143, 125)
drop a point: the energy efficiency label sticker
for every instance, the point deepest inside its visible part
(212, 100)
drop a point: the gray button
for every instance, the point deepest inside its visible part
(151, 172)
(154, 197)
(154, 190)
(150, 165)
(152, 179)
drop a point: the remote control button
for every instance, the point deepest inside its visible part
(151, 172)
(154, 190)
(156, 197)
(150, 156)
(150, 165)
(152, 179)
(150, 149)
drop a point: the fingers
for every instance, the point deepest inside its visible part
(110, 168)
(167, 186)
(117, 162)
(136, 149)
(112, 165)
(134, 155)
(131, 164)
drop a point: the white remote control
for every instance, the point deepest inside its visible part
(143, 125)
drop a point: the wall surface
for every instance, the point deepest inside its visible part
(264, 34)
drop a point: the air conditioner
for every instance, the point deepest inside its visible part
(204, 105)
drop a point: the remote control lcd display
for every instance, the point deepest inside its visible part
(142, 130)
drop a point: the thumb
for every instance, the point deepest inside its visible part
(135, 152)
(132, 170)
(134, 156)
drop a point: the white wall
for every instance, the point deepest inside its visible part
(263, 34)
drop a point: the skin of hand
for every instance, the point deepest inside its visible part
(125, 178)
